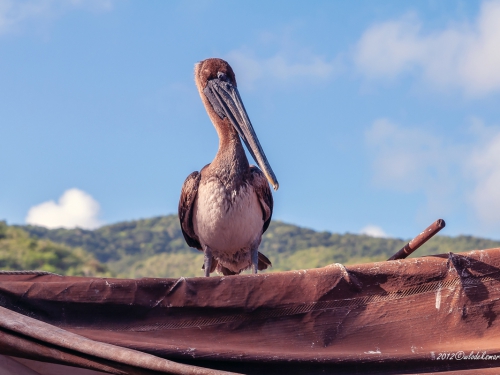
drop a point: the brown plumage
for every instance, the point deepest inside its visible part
(225, 208)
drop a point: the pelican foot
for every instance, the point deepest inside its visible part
(208, 260)
(255, 259)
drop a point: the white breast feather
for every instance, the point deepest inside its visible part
(229, 222)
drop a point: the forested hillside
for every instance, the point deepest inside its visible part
(19, 251)
(155, 247)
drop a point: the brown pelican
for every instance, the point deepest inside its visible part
(225, 208)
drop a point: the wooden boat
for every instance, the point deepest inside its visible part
(420, 315)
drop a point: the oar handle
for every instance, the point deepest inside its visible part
(418, 241)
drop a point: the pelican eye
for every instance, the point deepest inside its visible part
(222, 76)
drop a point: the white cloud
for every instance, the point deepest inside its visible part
(14, 13)
(465, 173)
(278, 67)
(288, 62)
(484, 165)
(75, 208)
(373, 231)
(411, 160)
(465, 55)
(407, 159)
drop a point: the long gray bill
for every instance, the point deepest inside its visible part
(226, 101)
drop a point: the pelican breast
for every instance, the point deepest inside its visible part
(229, 220)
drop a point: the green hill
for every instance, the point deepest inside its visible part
(155, 247)
(19, 251)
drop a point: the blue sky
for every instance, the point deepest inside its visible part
(376, 117)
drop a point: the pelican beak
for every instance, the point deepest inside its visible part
(226, 101)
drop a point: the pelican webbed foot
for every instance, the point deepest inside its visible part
(255, 258)
(208, 259)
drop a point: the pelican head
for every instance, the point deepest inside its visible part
(217, 86)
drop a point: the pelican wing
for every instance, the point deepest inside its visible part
(186, 203)
(261, 187)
